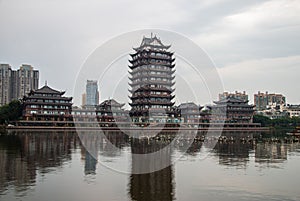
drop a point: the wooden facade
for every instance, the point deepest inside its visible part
(111, 111)
(47, 104)
(151, 82)
(232, 110)
(190, 112)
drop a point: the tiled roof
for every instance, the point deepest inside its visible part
(230, 100)
(47, 90)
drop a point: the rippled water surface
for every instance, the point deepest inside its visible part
(56, 166)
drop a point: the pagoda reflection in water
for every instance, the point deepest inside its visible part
(155, 183)
(25, 155)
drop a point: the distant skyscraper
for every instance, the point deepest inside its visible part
(83, 99)
(92, 93)
(5, 83)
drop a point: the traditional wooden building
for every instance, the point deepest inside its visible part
(111, 111)
(205, 114)
(84, 114)
(152, 79)
(190, 113)
(232, 110)
(47, 104)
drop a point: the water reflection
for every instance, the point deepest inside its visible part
(153, 186)
(156, 185)
(108, 143)
(13, 169)
(24, 156)
(234, 154)
(270, 153)
(90, 162)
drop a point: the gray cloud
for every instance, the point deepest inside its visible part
(273, 75)
(57, 36)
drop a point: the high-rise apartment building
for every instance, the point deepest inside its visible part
(5, 83)
(264, 100)
(15, 84)
(27, 79)
(92, 93)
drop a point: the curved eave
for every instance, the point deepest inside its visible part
(133, 54)
(152, 82)
(144, 47)
(147, 102)
(154, 51)
(168, 97)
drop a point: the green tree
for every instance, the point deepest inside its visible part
(295, 121)
(263, 120)
(10, 112)
(280, 122)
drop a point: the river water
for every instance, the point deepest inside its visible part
(38, 166)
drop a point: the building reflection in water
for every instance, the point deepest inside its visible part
(105, 143)
(265, 153)
(109, 143)
(151, 185)
(90, 162)
(156, 185)
(234, 154)
(23, 154)
(270, 155)
(89, 145)
(235, 151)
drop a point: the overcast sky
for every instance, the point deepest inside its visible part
(254, 43)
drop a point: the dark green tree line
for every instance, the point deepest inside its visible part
(280, 122)
(10, 112)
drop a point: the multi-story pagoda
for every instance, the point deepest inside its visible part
(152, 79)
(47, 104)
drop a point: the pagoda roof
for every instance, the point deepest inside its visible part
(188, 105)
(48, 90)
(152, 42)
(111, 102)
(143, 88)
(38, 96)
(149, 102)
(230, 100)
(153, 51)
